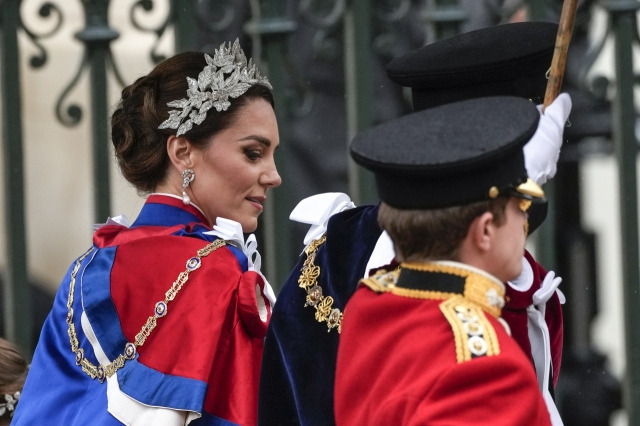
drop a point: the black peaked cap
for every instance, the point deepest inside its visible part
(508, 59)
(449, 155)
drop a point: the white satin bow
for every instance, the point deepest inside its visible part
(231, 231)
(116, 220)
(316, 211)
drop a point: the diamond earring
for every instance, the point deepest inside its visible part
(187, 177)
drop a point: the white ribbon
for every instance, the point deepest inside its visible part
(538, 330)
(231, 231)
(116, 220)
(255, 262)
(316, 211)
(251, 250)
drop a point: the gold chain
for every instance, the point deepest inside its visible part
(103, 371)
(308, 280)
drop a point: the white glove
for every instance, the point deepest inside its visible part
(541, 153)
(548, 286)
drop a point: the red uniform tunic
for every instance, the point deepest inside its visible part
(427, 347)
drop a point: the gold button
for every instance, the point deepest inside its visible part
(494, 192)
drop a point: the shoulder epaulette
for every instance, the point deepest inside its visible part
(474, 335)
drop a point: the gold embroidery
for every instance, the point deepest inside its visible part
(382, 281)
(308, 280)
(103, 371)
(478, 288)
(473, 333)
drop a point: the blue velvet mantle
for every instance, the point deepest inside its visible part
(299, 361)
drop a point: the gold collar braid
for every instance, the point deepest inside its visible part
(479, 288)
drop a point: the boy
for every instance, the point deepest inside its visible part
(425, 343)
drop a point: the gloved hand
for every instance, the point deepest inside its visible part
(541, 153)
(548, 286)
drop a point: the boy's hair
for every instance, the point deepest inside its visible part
(434, 234)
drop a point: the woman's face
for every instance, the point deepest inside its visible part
(234, 172)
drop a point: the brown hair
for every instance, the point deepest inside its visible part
(140, 147)
(434, 234)
(13, 372)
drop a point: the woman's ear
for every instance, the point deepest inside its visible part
(180, 151)
(481, 232)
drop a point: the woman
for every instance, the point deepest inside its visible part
(135, 336)
(13, 370)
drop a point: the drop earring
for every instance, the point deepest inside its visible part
(187, 177)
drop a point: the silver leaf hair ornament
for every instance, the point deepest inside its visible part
(8, 403)
(212, 89)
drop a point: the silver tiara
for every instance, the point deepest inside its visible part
(9, 402)
(212, 89)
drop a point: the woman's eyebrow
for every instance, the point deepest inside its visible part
(264, 141)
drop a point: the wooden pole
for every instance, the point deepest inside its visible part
(559, 60)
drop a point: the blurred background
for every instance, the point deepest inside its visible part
(63, 64)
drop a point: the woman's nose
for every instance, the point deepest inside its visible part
(271, 177)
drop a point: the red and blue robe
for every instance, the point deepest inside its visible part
(200, 364)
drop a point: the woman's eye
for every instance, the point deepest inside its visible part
(252, 154)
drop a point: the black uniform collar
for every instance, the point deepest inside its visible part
(442, 280)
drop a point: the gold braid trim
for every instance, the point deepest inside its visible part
(385, 282)
(104, 371)
(478, 288)
(474, 336)
(308, 280)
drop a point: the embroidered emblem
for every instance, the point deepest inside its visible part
(382, 281)
(308, 280)
(101, 372)
(494, 299)
(474, 335)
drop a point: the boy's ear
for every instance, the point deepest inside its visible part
(481, 232)
(180, 151)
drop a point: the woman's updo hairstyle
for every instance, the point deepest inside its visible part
(13, 372)
(140, 147)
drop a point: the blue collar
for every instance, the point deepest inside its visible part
(163, 210)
